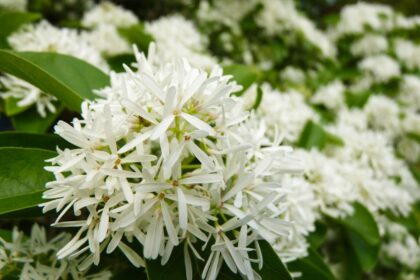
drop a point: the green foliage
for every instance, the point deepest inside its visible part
(22, 177)
(136, 34)
(11, 107)
(314, 136)
(32, 140)
(312, 267)
(245, 75)
(116, 62)
(69, 79)
(31, 121)
(363, 236)
(10, 21)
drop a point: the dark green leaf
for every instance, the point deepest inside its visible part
(363, 235)
(312, 267)
(415, 170)
(317, 237)
(258, 98)
(22, 177)
(68, 78)
(244, 75)
(10, 21)
(175, 267)
(136, 34)
(11, 107)
(116, 62)
(313, 135)
(357, 100)
(31, 121)
(32, 140)
(273, 268)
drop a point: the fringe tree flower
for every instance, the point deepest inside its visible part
(170, 157)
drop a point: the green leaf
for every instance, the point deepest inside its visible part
(175, 267)
(116, 62)
(312, 267)
(313, 135)
(244, 75)
(357, 100)
(273, 268)
(415, 170)
(11, 107)
(363, 235)
(31, 121)
(317, 237)
(10, 21)
(22, 177)
(136, 34)
(68, 78)
(258, 98)
(32, 140)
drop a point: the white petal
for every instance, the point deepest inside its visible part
(162, 127)
(132, 256)
(169, 224)
(182, 209)
(197, 123)
(201, 156)
(103, 225)
(201, 179)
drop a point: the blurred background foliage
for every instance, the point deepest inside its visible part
(318, 10)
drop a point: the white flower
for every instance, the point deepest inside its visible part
(285, 112)
(369, 44)
(408, 53)
(278, 16)
(357, 17)
(17, 5)
(169, 157)
(382, 68)
(330, 95)
(410, 92)
(27, 95)
(34, 257)
(109, 13)
(177, 37)
(43, 37)
(293, 74)
(106, 39)
(383, 114)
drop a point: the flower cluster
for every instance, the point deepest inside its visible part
(33, 257)
(169, 157)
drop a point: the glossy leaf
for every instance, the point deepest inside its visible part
(68, 78)
(11, 107)
(22, 177)
(243, 74)
(10, 21)
(31, 121)
(273, 268)
(311, 267)
(363, 235)
(116, 62)
(32, 140)
(314, 136)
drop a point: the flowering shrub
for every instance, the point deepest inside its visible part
(225, 139)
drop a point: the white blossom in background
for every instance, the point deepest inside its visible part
(177, 37)
(104, 20)
(381, 68)
(109, 13)
(15, 5)
(330, 95)
(369, 44)
(400, 245)
(355, 18)
(43, 37)
(278, 16)
(408, 53)
(285, 112)
(27, 95)
(383, 114)
(107, 40)
(169, 157)
(409, 149)
(410, 92)
(293, 74)
(34, 257)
